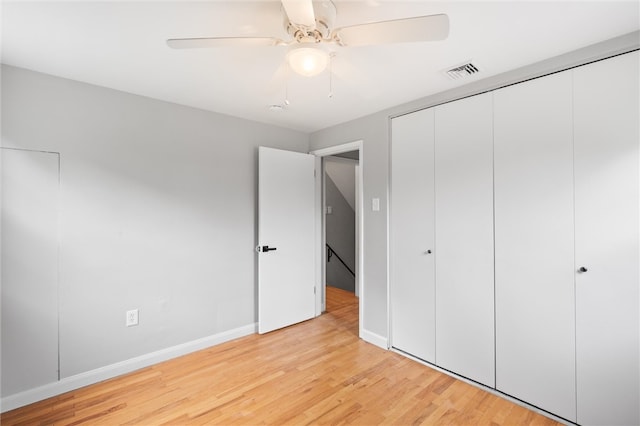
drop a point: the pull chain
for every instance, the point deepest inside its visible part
(331, 55)
(286, 86)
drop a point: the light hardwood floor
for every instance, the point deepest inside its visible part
(316, 372)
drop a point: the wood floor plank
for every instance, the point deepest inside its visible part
(316, 372)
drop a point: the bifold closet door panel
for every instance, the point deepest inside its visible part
(464, 238)
(534, 243)
(607, 212)
(412, 288)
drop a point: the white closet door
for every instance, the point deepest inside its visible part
(412, 226)
(534, 243)
(464, 238)
(607, 199)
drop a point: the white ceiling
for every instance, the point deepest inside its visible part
(121, 45)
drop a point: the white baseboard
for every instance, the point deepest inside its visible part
(374, 339)
(110, 371)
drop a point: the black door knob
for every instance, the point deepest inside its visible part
(267, 248)
(582, 269)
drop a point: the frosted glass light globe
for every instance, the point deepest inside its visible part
(308, 61)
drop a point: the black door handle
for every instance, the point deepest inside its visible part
(267, 248)
(582, 269)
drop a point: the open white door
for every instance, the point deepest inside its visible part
(286, 236)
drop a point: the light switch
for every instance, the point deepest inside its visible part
(329, 210)
(375, 204)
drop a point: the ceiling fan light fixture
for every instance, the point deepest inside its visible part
(308, 61)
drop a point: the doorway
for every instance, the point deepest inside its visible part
(346, 153)
(340, 220)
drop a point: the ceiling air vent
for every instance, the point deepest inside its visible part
(462, 71)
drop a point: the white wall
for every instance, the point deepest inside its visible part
(157, 212)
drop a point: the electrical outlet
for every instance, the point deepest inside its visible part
(132, 317)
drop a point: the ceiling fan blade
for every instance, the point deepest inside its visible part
(204, 42)
(300, 12)
(420, 28)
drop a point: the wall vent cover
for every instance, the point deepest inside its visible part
(462, 71)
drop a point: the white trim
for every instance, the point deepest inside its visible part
(358, 206)
(335, 159)
(388, 233)
(360, 248)
(338, 149)
(320, 251)
(373, 338)
(110, 371)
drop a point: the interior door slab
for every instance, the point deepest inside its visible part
(286, 227)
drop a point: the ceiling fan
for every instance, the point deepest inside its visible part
(310, 25)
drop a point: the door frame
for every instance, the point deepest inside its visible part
(321, 253)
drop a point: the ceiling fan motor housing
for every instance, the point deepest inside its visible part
(325, 16)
